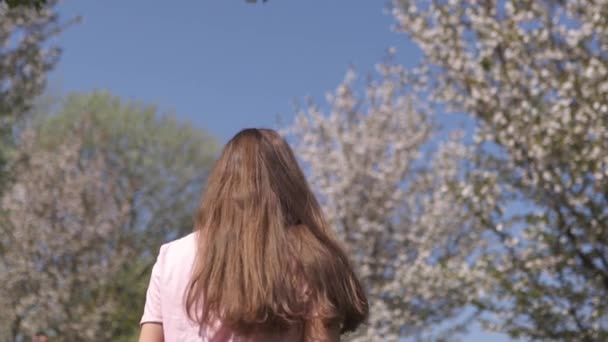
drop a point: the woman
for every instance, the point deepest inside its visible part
(262, 264)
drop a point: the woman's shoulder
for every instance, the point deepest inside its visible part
(186, 242)
(178, 252)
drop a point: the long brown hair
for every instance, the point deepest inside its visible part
(267, 259)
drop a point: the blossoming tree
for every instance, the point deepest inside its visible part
(25, 54)
(534, 75)
(386, 193)
(55, 254)
(95, 188)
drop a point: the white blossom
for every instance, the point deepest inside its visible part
(534, 74)
(388, 199)
(26, 54)
(57, 257)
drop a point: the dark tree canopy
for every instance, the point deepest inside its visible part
(29, 3)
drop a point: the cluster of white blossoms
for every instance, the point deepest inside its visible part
(25, 55)
(534, 76)
(511, 226)
(58, 255)
(89, 194)
(388, 199)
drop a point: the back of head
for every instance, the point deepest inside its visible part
(267, 259)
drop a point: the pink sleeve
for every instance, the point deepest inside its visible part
(152, 308)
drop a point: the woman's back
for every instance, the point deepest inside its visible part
(165, 299)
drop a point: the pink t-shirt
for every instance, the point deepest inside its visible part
(165, 299)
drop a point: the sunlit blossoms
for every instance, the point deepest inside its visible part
(25, 54)
(58, 256)
(387, 196)
(95, 188)
(534, 74)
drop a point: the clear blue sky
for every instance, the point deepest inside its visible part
(225, 65)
